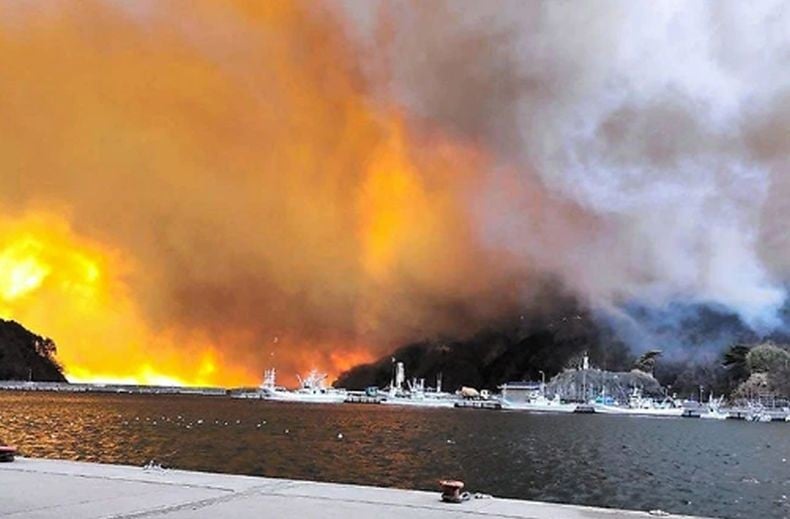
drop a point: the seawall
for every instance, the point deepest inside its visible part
(55, 489)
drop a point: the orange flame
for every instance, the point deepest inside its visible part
(74, 289)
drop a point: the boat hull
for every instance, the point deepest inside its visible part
(307, 399)
(714, 416)
(419, 403)
(628, 411)
(541, 408)
(278, 396)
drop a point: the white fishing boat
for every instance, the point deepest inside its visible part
(426, 400)
(414, 394)
(640, 406)
(528, 396)
(761, 416)
(312, 389)
(713, 409)
(541, 404)
(758, 413)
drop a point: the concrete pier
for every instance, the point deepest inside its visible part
(52, 489)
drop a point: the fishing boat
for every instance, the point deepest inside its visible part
(419, 400)
(541, 404)
(414, 392)
(312, 389)
(760, 416)
(713, 409)
(527, 396)
(758, 413)
(641, 406)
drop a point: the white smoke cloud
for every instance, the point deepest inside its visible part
(643, 147)
(655, 142)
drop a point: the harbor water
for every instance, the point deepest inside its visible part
(704, 467)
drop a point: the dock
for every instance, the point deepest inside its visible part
(54, 489)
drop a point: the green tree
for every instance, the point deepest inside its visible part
(646, 363)
(780, 380)
(767, 358)
(735, 361)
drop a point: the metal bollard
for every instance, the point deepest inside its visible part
(451, 491)
(7, 453)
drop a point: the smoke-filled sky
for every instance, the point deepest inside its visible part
(193, 192)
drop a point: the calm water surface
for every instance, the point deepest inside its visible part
(724, 469)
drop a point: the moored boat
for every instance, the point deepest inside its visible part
(531, 396)
(312, 389)
(640, 406)
(415, 394)
(713, 409)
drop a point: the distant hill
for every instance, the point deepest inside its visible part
(554, 336)
(514, 350)
(27, 356)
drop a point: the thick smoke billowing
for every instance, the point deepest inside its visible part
(317, 183)
(643, 152)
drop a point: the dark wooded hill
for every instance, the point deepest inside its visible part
(509, 352)
(27, 356)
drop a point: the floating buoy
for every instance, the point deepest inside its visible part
(339, 436)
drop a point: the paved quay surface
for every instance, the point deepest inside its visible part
(43, 489)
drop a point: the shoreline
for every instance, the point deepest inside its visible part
(46, 488)
(122, 389)
(735, 413)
